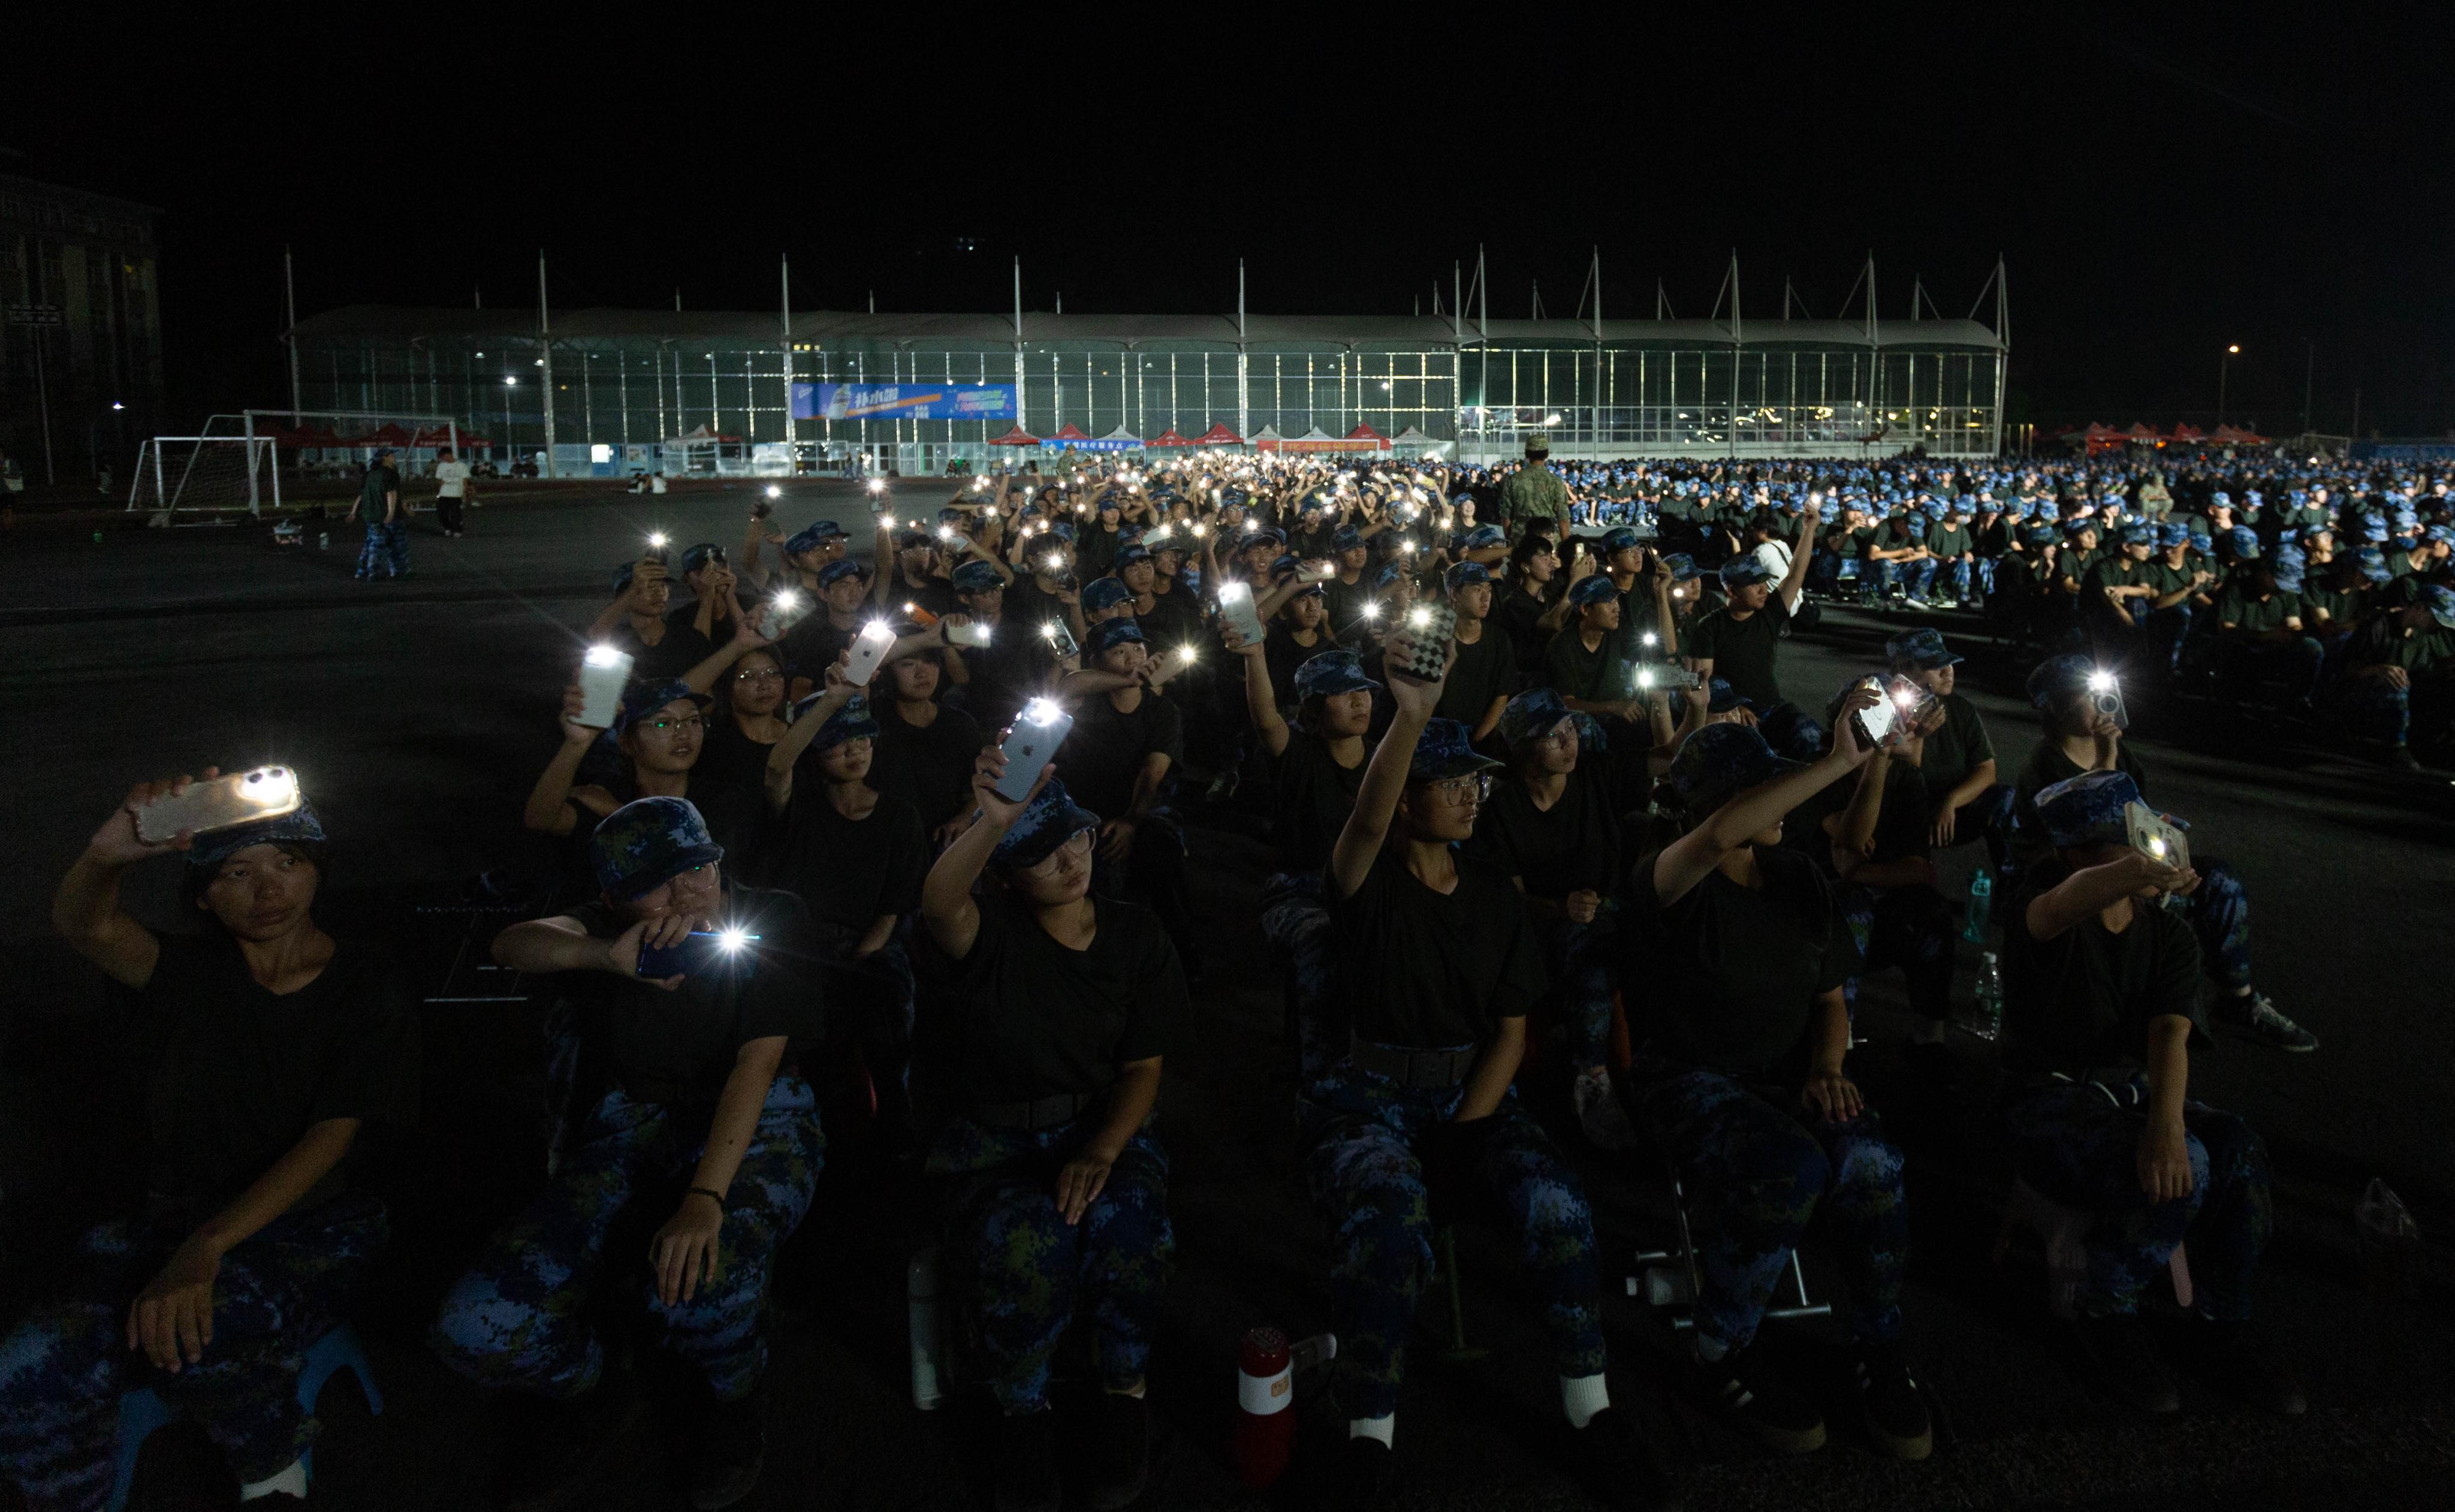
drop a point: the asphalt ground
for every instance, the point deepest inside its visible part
(419, 714)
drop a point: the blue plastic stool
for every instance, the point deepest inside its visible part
(143, 1410)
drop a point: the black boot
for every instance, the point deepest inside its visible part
(1120, 1452)
(731, 1450)
(1027, 1464)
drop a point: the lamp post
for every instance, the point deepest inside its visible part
(2223, 365)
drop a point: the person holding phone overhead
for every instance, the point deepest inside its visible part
(273, 1046)
(689, 1103)
(1046, 1012)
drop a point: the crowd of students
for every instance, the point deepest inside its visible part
(1532, 771)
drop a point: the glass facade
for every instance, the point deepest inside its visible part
(1626, 398)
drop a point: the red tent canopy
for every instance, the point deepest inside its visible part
(1017, 436)
(2141, 433)
(1168, 437)
(442, 436)
(387, 434)
(1366, 432)
(1070, 431)
(2184, 432)
(2100, 432)
(1219, 436)
(2236, 435)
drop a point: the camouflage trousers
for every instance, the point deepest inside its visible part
(2077, 1143)
(1580, 959)
(2218, 912)
(1909, 927)
(1754, 1172)
(386, 548)
(1363, 1133)
(66, 1364)
(1295, 921)
(516, 1319)
(1022, 1271)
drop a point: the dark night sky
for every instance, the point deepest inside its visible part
(2159, 186)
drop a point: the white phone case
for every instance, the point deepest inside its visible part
(603, 673)
(868, 650)
(241, 798)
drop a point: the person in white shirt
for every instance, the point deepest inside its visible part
(453, 476)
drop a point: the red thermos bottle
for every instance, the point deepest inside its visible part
(1265, 1423)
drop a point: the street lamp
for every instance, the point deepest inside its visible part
(2223, 363)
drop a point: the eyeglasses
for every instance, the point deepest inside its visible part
(665, 726)
(754, 675)
(1458, 792)
(1076, 846)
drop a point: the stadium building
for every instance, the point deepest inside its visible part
(640, 390)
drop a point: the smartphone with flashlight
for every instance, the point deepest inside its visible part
(1038, 731)
(1321, 570)
(973, 634)
(603, 673)
(2155, 837)
(1429, 627)
(1649, 676)
(1060, 640)
(2105, 697)
(1236, 607)
(701, 952)
(1876, 725)
(784, 610)
(868, 650)
(266, 793)
(1911, 703)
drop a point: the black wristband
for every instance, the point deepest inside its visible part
(718, 1197)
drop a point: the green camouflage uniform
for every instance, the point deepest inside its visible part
(1534, 492)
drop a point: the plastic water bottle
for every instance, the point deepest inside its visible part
(1988, 1020)
(927, 1344)
(1981, 908)
(2388, 1239)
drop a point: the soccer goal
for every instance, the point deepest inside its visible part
(204, 474)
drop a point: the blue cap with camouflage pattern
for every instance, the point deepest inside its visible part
(646, 698)
(648, 842)
(2088, 809)
(977, 577)
(298, 827)
(1332, 672)
(1052, 818)
(1714, 763)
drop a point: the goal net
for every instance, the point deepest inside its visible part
(204, 474)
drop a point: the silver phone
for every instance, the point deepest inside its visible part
(1038, 732)
(242, 797)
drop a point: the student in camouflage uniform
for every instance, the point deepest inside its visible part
(1434, 970)
(2398, 657)
(1534, 497)
(273, 1044)
(387, 521)
(2101, 1009)
(1047, 1015)
(1739, 1074)
(703, 1112)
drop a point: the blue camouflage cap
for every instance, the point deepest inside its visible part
(1388, 574)
(2041, 536)
(2058, 677)
(1921, 648)
(2139, 535)
(648, 842)
(2088, 809)
(1445, 750)
(1682, 567)
(977, 577)
(854, 722)
(2173, 533)
(1105, 593)
(2440, 599)
(2373, 565)
(1134, 552)
(694, 557)
(837, 571)
(1720, 697)
(810, 539)
(1050, 820)
(1532, 715)
(1330, 673)
(1466, 574)
(2289, 566)
(1109, 634)
(2243, 541)
(1740, 571)
(2311, 533)
(214, 847)
(623, 575)
(1346, 538)
(1595, 589)
(646, 698)
(2374, 529)
(1283, 566)
(1717, 761)
(1620, 539)
(1483, 537)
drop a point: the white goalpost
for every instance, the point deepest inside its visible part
(204, 474)
(235, 465)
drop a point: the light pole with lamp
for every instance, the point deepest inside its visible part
(2223, 364)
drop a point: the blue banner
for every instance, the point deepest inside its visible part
(903, 401)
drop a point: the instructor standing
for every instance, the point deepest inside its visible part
(1534, 494)
(379, 505)
(450, 492)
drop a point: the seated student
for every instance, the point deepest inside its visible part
(1168, 619)
(1484, 673)
(1017, 664)
(271, 1044)
(701, 1110)
(1739, 1075)
(2100, 1009)
(1951, 751)
(1874, 837)
(1553, 828)
(1533, 592)
(1347, 593)
(2397, 665)
(697, 628)
(635, 623)
(924, 749)
(1296, 634)
(1118, 758)
(2261, 631)
(916, 583)
(829, 631)
(2083, 732)
(1436, 968)
(1741, 641)
(746, 679)
(1583, 665)
(1047, 1015)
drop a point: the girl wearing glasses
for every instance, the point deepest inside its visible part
(1044, 1014)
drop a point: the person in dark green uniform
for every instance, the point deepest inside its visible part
(1534, 497)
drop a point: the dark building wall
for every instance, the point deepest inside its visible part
(95, 257)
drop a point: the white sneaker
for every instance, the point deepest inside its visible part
(1599, 1112)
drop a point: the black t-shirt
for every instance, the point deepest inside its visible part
(812, 646)
(1174, 619)
(1731, 972)
(2048, 766)
(237, 1075)
(1743, 651)
(1957, 749)
(850, 871)
(1313, 796)
(2083, 1000)
(671, 657)
(683, 640)
(927, 766)
(1484, 671)
(1432, 971)
(1028, 606)
(677, 1047)
(1095, 552)
(1283, 654)
(1519, 613)
(1022, 1017)
(1345, 603)
(1103, 753)
(1575, 672)
(1014, 666)
(1572, 847)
